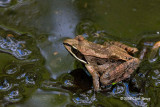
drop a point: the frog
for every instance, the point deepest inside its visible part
(108, 63)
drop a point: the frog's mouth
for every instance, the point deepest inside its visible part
(75, 53)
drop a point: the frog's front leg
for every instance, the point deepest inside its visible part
(95, 77)
(120, 72)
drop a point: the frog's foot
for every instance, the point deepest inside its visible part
(123, 46)
(120, 72)
(95, 77)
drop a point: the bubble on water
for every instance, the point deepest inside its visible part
(30, 78)
(134, 9)
(118, 90)
(157, 83)
(148, 44)
(153, 55)
(18, 74)
(21, 76)
(22, 54)
(84, 98)
(5, 85)
(4, 3)
(68, 83)
(14, 47)
(13, 96)
(5, 46)
(11, 69)
(156, 77)
(86, 27)
(155, 51)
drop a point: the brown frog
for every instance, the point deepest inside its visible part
(107, 63)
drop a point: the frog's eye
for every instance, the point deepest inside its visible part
(80, 38)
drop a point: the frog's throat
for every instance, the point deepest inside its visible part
(78, 58)
(71, 50)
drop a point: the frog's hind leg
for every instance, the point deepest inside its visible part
(123, 46)
(95, 77)
(120, 72)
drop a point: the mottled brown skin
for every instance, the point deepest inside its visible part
(106, 63)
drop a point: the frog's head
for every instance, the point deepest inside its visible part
(73, 46)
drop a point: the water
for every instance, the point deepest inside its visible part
(36, 70)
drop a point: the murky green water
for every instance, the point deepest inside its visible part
(37, 71)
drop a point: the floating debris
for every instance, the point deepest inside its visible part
(55, 53)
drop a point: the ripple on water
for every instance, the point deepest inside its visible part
(16, 48)
(31, 78)
(13, 96)
(156, 78)
(6, 3)
(90, 29)
(118, 90)
(86, 27)
(20, 74)
(84, 98)
(5, 84)
(12, 69)
(149, 45)
(134, 98)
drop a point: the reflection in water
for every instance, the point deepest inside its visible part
(150, 47)
(14, 47)
(13, 96)
(85, 99)
(5, 84)
(87, 27)
(118, 90)
(11, 69)
(4, 2)
(134, 98)
(63, 20)
(93, 32)
(73, 82)
(70, 81)
(156, 77)
(58, 18)
(26, 66)
(154, 52)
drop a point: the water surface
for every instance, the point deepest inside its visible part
(36, 70)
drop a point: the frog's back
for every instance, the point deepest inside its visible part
(110, 51)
